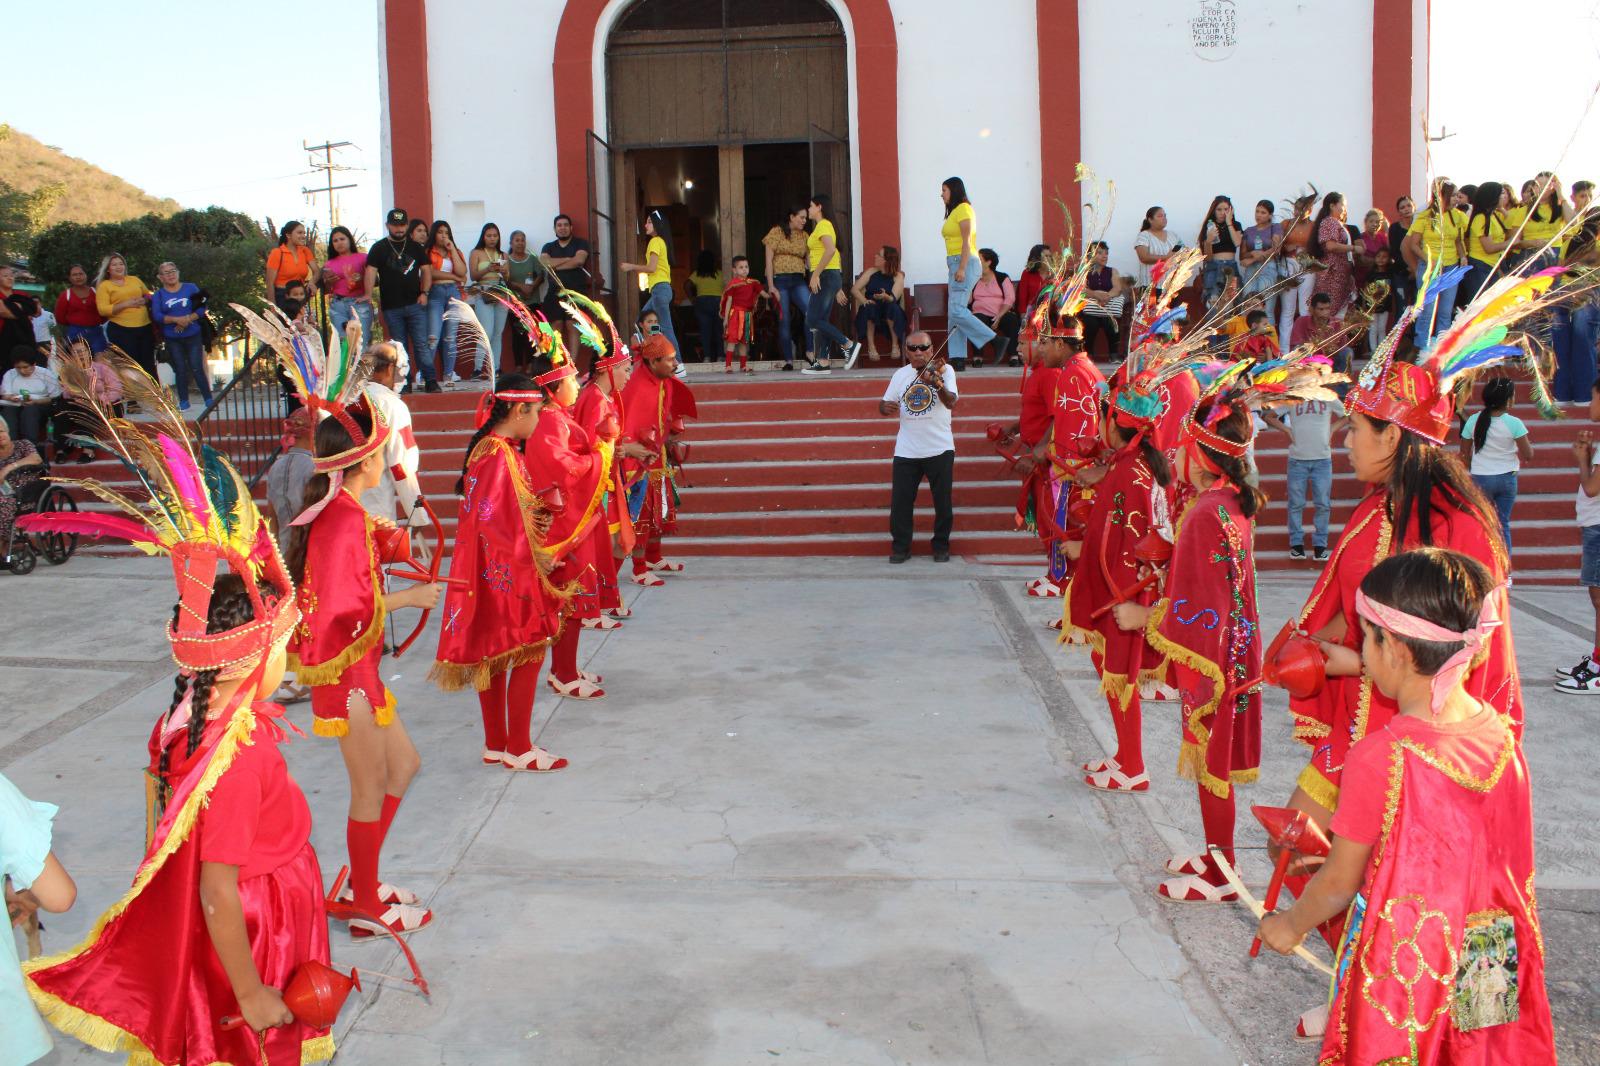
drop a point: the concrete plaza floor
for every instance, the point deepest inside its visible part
(827, 814)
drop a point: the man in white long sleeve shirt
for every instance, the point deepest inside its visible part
(401, 455)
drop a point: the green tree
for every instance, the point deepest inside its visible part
(22, 213)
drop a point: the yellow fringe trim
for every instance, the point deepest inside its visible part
(453, 677)
(338, 727)
(78, 1023)
(329, 671)
(1319, 788)
(1192, 754)
(317, 1049)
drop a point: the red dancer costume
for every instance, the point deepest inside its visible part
(149, 980)
(739, 318)
(1108, 572)
(566, 462)
(505, 610)
(338, 646)
(654, 405)
(598, 406)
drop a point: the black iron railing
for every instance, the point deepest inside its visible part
(244, 420)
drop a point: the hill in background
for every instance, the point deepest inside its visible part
(89, 193)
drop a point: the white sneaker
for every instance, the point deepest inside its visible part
(1583, 664)
(1583, 681)
(452, 378)
(855, 353)
(816, 368)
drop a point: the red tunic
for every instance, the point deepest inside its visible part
(738, 306)
(650, 407)
(562, 455)
(147, 979)
(592, 408)
(1207, 627)
(1349, 708)
(1107, 568)
(338, 646)
(1445, 959)
(508, 611)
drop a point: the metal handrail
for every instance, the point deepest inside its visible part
(244, 418)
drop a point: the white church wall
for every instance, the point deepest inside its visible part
(969, 87)
(1174, 117)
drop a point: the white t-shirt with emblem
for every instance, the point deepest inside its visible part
(924, 421)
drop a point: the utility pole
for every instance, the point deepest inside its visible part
(327, 166)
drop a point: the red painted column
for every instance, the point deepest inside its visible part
(573, 99)
(1393, 56)
(405, 43)
(1060, 114)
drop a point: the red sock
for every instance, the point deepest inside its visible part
(1216, 816)
(744, 362)
(364, 839)
(1130, 734)
(391, 804)
(564, 656)
(652, 550)
(610, 594)
(492, 702)
(639, 566)
(519, 708)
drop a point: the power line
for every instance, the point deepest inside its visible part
(327, 167)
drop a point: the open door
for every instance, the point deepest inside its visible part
(602, 220)
(830, 175)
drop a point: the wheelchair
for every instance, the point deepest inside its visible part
(22, 554)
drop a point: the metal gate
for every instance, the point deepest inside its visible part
(602, 219)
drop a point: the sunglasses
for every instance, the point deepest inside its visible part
(918, 347)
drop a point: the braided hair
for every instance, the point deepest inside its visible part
(1154, 458)
(230, 608)
(1234, 426)
(331, 439)
(500, 411)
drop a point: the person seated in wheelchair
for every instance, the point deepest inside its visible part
(21, 484)
(29, 394)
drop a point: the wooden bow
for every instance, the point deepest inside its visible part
(409, 569)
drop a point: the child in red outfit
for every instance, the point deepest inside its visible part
(738, 313)
(654, 404)
(505, 611)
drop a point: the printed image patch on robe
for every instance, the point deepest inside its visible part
(1486, 980)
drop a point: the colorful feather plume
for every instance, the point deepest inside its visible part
(471, 337)
(325, 379)
(596, 313)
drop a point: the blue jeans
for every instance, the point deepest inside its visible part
(1502, 492)
(1585, 339)
(819, 317)
(1479, 274)
(409, 326)
(889, 314)
(1437, 313)
(708, 312)
(95, 335)
(1214, 277)
(189, 359)
(1572, 337)
(660, 302)
(441, 334)
(341, 308)
(792, 299)
(1318, 473)
(965, 326)
(492, 317)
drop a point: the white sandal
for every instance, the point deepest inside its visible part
(535, 761)
(1107, 763)
(602, 623)
(593, 679)
(1044, 588)
(491, 757)
(647, 579)
(1187, 864)
(1157, 692)
(1192, 889)
(1312, 1024)
(618, 612)
(580, 688)
(666, 566)
(1113, 779)
(387, 895)
(399, 917)
(1054, 623)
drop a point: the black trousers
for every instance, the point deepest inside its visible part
(908, 475)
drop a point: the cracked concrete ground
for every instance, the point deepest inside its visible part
(826, 815)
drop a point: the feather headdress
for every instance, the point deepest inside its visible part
(1302, 376)
(595, 329)
(192, 506)
(331, 381)
(545, 338)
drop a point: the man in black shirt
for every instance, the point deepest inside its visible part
(399, 268)
(568, 256)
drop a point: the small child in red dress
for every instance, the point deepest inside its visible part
(739, 314)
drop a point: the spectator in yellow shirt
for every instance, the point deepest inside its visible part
(124, 301)
(656, 271)
(1437, 233)
(960, 233)
(1544, 219)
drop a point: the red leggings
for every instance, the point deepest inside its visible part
(507, 706)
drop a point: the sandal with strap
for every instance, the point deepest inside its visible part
(579, 688)
(535, 761)
(492, 757)
(618, 612)
(1188, 864)
(387, 895)
(602, 623)
(647, 579)
(1158, 692)
(1107, 763)
(664, 566)
(593, 679)
(399, 917)
(1192, 889)
(1112, 779)
(1312, 1024)
(1055, 624)
(1044, 588)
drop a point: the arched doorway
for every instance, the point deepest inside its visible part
(720, 115)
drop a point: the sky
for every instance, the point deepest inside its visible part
(211, 102)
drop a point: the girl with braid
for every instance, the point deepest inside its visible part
(227, 903)
(505, 611)
(336, 553)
